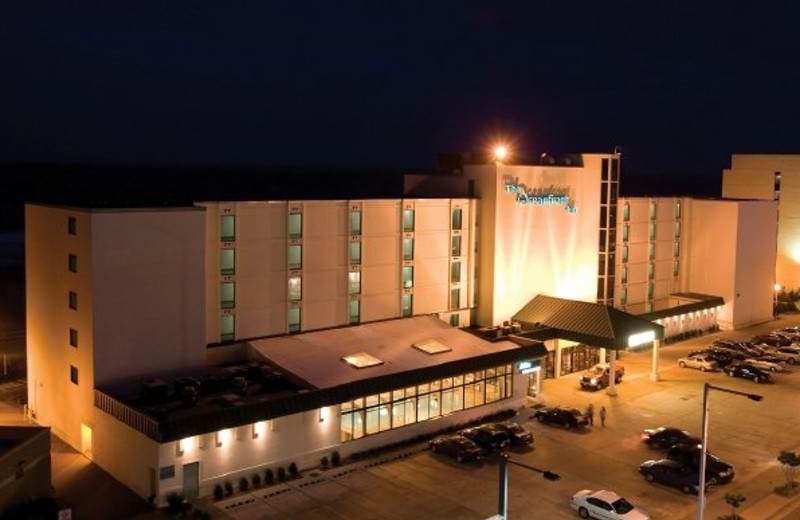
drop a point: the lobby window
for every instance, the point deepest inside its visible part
(407, 305)
(354, 282)
(454, 320)
(72, 263)
(354, 312)
(226, 328)
(677, 229)
(626, 212)
(455, 246)
(295, 288)
(227, 228)
(227, 261)
(455, 272)
(227, 295)
(456, 220)
(408, 276)
(408, 220)
(455, 299)
(72, 225)
(355, 222)
(355, 253)
(293, 319)
(408, 249)
(295, 225)
(73, 338)
(295, 256)
(73, 300)
(73, 374)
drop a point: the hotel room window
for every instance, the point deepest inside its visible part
(651, 271)
(623, 296)
(227, 261)
(73, 300)
(676, 268)
(354, 312)
(677, 229)
(626, 212)
(652, 230)
(454, 320)
(295, 225)
(72, 263)
(355, 253)
(625, 233)
(355, 222)
(227, 295)
(408, 249)
(624, 254)
(293, 318)
(624, 275)
(295, 256)
(676, 250)
(295, 288)
(455, 299)
(408, 220)
(455, 272)
(678, 209)
(227, 228)
(354, 282)
(653, 210)
(455, 246)
(456, 224)
(407, 305)
(226, 328)
(73, 374)
(73, 338)
(408, 277)
(72, 225)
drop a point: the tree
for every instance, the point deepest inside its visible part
(789, 462)
(734, 500)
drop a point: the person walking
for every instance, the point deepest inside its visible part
(590, 414)
(603, 416)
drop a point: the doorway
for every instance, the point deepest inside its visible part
(191, 480)
(86, 441)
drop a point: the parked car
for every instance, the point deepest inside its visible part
(722, 357)
(770, 363)
(597, 377)
(790, 354)
(518, 434)
(771, 341)
(747, 371)
(606, 505)
(717, 471)
(746, 348)
(458, 447)
(489, 437)
(702, 362)
(672, 473)
(665, 437)
(567, 417)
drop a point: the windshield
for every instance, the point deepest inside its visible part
(622, 506)
(595, 370)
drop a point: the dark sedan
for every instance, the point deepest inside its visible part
(567, 417)
(746, 371)
(722, 357)
(672, 473)
(489, 437)
(458, 447)
(665, 437)
(519, 435)
(717, 471)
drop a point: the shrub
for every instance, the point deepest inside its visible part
(174, 502)
(293, 469)
(324, 462)
(256, 480)
(269, 477)
(335, 458)
(219, 493)
(244, 484)
(281, 474)
(228, 488)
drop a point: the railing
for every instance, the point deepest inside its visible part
(125, 414)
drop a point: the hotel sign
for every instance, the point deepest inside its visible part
(544, 196)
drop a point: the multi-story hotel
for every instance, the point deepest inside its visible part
(219, 340)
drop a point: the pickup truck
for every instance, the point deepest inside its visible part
(597, 376)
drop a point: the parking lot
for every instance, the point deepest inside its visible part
(418, 484)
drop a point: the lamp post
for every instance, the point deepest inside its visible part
(701, 491)
(502, 503)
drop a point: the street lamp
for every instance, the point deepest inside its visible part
(701, 492)
(502, 503)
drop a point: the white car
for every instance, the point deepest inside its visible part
(606, 505)
(789, 354)
(699, 361)
(773, 366)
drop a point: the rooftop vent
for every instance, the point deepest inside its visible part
(431, 347)
(361, 360)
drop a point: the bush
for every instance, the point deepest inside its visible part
(281, 474)
(324, 462)
(244, 484)
(228, 489)
(219, 493)
(256, 480)
(174, 502)
(335, 458)
(293, 469)
(269, 477)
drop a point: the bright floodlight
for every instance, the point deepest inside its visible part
(500, 152)
(777, 287)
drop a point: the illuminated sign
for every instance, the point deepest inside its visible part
(547, 196)
(526, 367)
(641, 338)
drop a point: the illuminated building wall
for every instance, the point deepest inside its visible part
(772, 177)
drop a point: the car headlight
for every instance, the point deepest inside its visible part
(593, 381)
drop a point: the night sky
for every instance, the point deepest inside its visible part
(392, 84)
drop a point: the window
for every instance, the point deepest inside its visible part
(73, 338)
(677, 248)
(295, 288)
(408, 276)
(354, 312)
(454, 320)
(227, 295)
(72, 225)
(626, 212)
(293, 318)
(226, 328)
(407, 305)
(625, 233)
(650, 290)
(651, 271)
(677, 229)
(408, 249)
(623, 296)
(72, 263)
(624, 275)
(677, 210)
(651, 251)
(624, 254)
(227, 228)
(355, 253)
(455, 246)
(227, 261)
(73, 300)
(653, 210)
(456, 218)
(295, 225)
(354, 282)
(455, 272)
(652, 230)
(295, 256)
(73, 374)
(355, 222)
(455, 299)
(408, 220)
(676, 268)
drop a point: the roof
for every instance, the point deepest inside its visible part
(584, 322)
(694, 302)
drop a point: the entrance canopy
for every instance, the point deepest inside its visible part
(546, 317)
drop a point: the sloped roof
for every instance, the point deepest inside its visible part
(584, 322)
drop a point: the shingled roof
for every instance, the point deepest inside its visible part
(584, 322)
